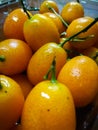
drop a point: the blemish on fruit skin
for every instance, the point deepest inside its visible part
(48, 109)
(5, 91)
(67, 98)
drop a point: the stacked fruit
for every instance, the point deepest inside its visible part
(48, 66)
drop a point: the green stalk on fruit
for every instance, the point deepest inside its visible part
(52, 71)
(83, 30)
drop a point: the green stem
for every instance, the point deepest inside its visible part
(52, 71)
(2, 58)
(65, 23)
(47, 75)
(24, 8)
(83, 30)
(29, 8)
(53, 68)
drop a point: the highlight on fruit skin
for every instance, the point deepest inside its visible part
(14, 56)
(86, 38)
(39, 30)
(49, 106)
(11, 102)
(13, 24)
(44, 7)
(42, 59)
(80, 75)
(71, 11)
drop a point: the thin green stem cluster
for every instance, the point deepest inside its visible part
(65, 24)
(83, 30)
(52, 70)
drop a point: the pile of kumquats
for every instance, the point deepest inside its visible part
(48, 66)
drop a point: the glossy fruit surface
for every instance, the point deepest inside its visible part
(14, 56)
(57, 21)
(44, 7)
(24, 83)
(88, 38)
(72, 10)
(13, 24)
(11, 102)
(49, 106)
(39, 30)
(41, 61)
(80, 74)
(91, 52)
